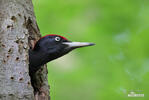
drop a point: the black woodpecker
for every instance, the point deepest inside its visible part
(50, 47)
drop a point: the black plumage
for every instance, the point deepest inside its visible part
(49, 48)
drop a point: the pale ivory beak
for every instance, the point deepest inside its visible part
(77, 44)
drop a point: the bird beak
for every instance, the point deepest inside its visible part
(77, 44)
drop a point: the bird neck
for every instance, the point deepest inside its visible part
(37, 59)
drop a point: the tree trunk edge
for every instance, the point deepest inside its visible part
(41, 76)
(40, 79)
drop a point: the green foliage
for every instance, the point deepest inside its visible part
(116, 65)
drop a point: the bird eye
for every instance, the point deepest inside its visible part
(57, 38)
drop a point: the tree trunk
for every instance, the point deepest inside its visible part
(18, 33)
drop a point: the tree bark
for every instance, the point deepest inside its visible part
(18, 33)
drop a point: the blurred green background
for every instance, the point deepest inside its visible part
(116, 65)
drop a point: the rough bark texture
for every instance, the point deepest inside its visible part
(18, 33)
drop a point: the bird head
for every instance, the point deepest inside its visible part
(56, 45)
(50, 47)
